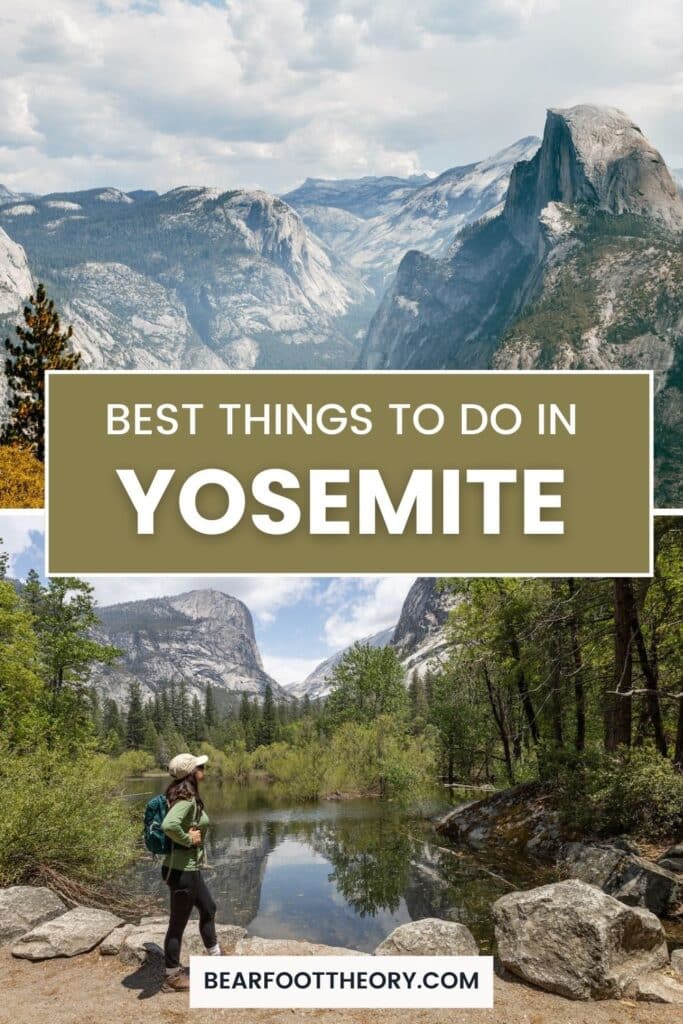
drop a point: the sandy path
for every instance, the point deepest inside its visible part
(100, 990)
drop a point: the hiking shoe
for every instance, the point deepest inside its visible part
(179, 982)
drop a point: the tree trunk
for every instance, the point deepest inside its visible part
(502, 728)
(618, 704)
(579, 693)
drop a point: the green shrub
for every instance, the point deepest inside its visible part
(63, 816)
(635, 790)
(234, 764)
(134, 763)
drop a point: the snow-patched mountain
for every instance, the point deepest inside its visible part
(203, 636)
(420, 638)
(373, 222)
(194, 278)
(582, 269)
(8, 196)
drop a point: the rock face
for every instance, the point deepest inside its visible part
(582, 269)
(429, 937)
(74, 932)
(420, 638)
(626, 876)
(204, 636)
(572, 939)
(23, 907)
(16, 283)
(193, 278)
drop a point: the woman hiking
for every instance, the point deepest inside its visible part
(185, 825)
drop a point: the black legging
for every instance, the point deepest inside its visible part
(187, 890)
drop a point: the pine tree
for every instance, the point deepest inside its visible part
(210, 713)
(197, 729)
(268, 725)
(42, 346)
(33, 593)
(4, 562)
(135, 722)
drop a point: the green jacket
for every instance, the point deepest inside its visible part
(184, 856)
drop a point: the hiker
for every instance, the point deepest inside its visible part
(185, 826)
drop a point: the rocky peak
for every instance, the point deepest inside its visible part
(594, 155)
(216, 605)
(199, 637)
(424, 613)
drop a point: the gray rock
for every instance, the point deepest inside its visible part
(254, 946)
(77, 931)
(146, 942)
(674, 864)
(643, 883)
(429, 937)
(677, 962)
(592, 864)
(575, 940)
(672, 859)
(660, 988)
(22, 907)
(631, 879)
(111, 946)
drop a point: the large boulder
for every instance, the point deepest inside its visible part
(429, 937)
(22, 907)
(624, 875)
(146, 941)
(254, 946)
(573, 939)
(77, 931)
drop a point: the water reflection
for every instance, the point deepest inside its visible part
(342, 873)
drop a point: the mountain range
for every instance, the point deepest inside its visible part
(560, 254)
(207, 637)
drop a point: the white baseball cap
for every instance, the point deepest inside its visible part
(183, 764)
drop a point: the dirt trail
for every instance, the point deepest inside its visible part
(94, 989)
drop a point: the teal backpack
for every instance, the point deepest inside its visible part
(156, 840)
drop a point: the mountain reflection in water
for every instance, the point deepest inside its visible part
(344, 873)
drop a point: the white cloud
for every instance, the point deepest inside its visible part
(263, 595)
(363, 607)
(268, 91)
(286, 670)
(16, 529)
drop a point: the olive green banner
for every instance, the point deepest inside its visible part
(349, 472)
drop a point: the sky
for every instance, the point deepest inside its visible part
(299, 621)
(159, 93)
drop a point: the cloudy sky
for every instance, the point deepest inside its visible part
(298, 621)
(158, 93)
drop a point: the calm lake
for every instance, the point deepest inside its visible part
(344, 873)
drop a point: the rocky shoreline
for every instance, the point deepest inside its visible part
(568, 938)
